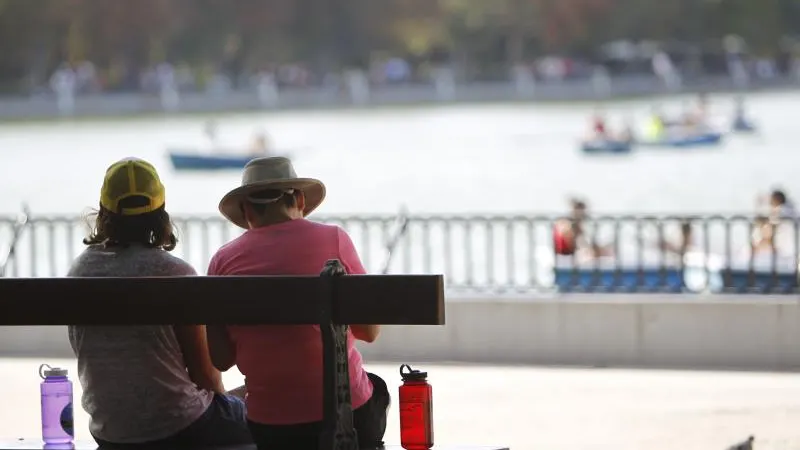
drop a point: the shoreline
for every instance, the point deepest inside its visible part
(115, 107)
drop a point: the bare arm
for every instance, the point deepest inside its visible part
(221, 350)
(352, 263)
(366, 333)
(221, 347)
(192, 339)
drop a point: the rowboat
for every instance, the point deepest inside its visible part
(198, 161)
(601, 146)
(697, 140)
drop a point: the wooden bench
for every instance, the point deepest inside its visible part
(330, 300)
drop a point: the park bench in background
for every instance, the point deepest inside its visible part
(329, 300)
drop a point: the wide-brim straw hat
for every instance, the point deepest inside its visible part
(274, 172)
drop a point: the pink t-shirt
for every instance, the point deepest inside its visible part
(282, 364)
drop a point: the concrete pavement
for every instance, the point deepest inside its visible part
(541, 408)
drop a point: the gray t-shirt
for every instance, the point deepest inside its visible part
(135, 384)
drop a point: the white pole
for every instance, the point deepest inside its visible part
(601, 82)
(358, 86)
(64, 87)
(445, 84)
(268, 93)
(524, 81)
(168, 88)
(170, 99)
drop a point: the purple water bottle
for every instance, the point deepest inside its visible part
(57, 420)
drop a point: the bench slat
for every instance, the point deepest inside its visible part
(35, 444)
(361, 299)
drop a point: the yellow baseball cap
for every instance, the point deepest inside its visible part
(132, 177)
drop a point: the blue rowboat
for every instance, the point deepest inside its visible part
(194, 161)
(698, 140)
(603, 146)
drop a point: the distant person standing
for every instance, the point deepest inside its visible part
(64, 85)
(779, 205)
(665, 71)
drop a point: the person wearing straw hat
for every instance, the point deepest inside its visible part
(151, 385)
(282, 365)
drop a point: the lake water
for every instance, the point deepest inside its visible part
(505, 159)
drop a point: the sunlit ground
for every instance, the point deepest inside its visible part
(535, 408)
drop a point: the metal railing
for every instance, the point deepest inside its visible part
(492, 254)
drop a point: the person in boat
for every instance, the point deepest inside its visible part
(210, 130)
(740, 121)
(260, 145)
(569, 237)
(627, 134)
(696, 119)
(739, 116)
(656, 126)
(599, 127)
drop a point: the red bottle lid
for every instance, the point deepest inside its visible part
(412, 374)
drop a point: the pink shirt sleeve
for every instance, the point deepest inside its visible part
(348, 254)
(212, 266)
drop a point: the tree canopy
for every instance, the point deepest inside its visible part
(38, 35)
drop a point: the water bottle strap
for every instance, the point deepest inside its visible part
(41, 370)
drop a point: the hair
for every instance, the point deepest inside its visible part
(153, 229)
(285, 199)
(779, 196)
(686, 226)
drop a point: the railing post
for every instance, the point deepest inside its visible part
(478, 261)
(16, 234)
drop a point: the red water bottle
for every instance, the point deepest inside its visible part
(416, 410)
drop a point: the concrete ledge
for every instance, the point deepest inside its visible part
(22, 342)
(667, 331)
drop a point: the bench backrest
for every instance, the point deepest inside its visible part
(331, 301)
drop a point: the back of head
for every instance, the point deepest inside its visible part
(778, 197)
(270, 206)
(132, 208)
(686, 227)
(577, 204)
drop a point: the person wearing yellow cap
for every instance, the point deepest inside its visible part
(151, 385)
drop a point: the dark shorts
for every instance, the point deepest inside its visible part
(224, 423)
(369, 421)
